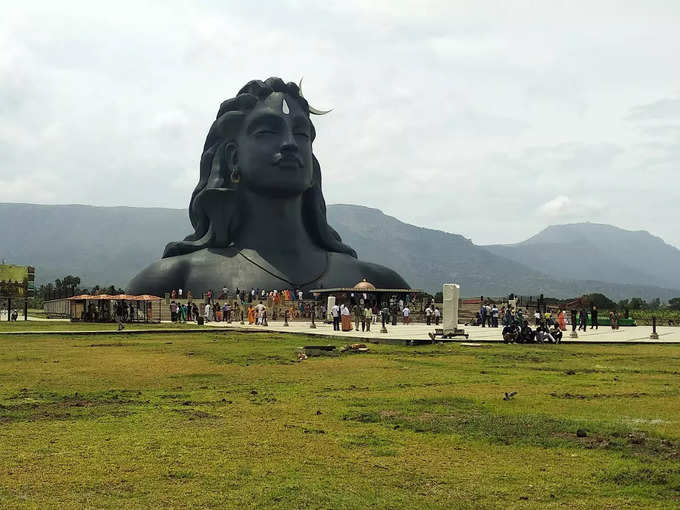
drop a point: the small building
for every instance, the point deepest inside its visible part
(101, 307)
(365, 292)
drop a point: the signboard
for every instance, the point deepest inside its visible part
(17, 281)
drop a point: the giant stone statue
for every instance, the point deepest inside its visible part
(258, 213)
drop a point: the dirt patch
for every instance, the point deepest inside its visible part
(595, 396)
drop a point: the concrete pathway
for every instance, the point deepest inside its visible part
(419, 332)
(413, 333)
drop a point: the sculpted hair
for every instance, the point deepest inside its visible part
(215, 175)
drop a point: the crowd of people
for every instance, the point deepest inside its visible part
(545, 332)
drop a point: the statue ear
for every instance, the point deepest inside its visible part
(231, 161)
(231, 155)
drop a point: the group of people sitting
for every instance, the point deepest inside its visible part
(546, 331)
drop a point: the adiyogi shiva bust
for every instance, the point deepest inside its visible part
(258, 213)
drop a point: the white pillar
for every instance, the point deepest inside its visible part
(451, 293)
(329, 305)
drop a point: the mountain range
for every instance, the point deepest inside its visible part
(109, 245)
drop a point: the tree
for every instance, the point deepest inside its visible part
(674, 304)
(601, 301)
(638, 304)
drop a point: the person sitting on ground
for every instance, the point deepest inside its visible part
(510, 333)
(556, 332)
(526, 334)
(543, 336)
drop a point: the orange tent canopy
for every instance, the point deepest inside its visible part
(116, 297)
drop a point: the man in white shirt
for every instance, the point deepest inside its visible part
(407, 312)
(335, 313)
(437, 315)
(207, 312)
(259, 314)
(428, 315)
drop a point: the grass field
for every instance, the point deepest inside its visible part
(87, 326)
(221, 420)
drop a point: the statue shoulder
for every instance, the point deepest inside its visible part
(160, 276)
(383, 277)
(344, 268)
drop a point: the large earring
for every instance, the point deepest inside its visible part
(235, 175)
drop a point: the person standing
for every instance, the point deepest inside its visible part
(428, 315)
(407, 314)
(335, 314)
(358, 313)
(507, 318)
(561, 321)
(614, 320)
(368, 317)
(583, 320)
(593, 318)
(437, 316)
(494, 316)
(118, 313)
(345, 318)
(482, 314)
(207, 311)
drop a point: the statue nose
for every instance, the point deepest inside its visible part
(288, 143)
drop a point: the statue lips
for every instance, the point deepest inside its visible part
(287, 161)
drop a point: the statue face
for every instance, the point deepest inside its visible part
(275, 148)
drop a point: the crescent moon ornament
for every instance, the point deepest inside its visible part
(312, 110)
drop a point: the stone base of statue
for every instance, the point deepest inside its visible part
(448, 333)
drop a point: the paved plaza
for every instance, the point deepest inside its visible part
(419, 332)
(415, 332)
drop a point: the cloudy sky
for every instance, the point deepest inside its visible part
(488, 119)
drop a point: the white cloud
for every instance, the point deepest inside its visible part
(489, 120)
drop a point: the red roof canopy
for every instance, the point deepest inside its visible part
(116, 297)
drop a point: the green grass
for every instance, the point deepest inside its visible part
(6, 327)
(222, 420)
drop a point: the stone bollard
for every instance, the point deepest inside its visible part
(313, 324)
(654, 335)
(285, 319)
